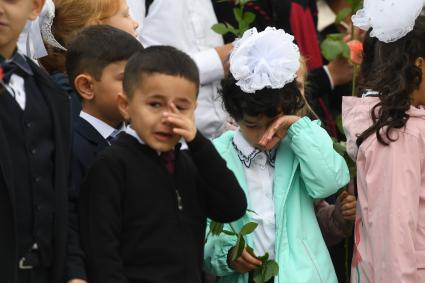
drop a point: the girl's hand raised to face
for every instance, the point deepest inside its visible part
(182, 124)
(277, 131)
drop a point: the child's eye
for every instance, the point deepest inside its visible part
(180, 108)
(155, 104)
(251, 126)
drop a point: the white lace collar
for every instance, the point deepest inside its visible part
(247, 152)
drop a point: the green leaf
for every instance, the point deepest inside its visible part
(342, 15)
(248, 228)
(216, 228)
(230, 233)
(240, 245)
(356, 5)
(232, 29)
(249, 17)
(264, 258)
(271, 269)
(220, 29)
(335, 36)
(339, 147)
(237, 12)
(331, 48)
(345, 50)
(257, 275)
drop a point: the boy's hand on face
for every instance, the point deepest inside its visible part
(277, 131)
(182, 125)
(245, 263)
(346, 204)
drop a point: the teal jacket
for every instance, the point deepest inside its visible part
(306, 168)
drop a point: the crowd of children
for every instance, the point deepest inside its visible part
(106, 174)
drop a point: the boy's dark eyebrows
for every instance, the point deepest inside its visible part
(156, 96)
(183, 100)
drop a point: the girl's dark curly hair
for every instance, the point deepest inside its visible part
(389, 68)
(267, 101)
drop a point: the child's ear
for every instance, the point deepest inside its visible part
(122, 102)
(420, 62)
(36, 9)
(83, 84)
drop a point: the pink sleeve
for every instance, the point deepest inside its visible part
(390, 177)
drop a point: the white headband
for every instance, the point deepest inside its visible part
(390, 20)
(264, 59)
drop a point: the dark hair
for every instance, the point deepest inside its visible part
(165, 60)
(95, 47)
(267, 101)
(389, 68)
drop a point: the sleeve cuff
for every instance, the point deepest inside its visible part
(210, 66)
(329, 77)
(198, 142)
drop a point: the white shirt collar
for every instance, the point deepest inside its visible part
(247, 152)
(130, 131)
(104, 129)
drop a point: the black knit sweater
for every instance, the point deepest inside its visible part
(133, 226)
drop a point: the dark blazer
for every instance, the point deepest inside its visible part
(141, 224)
(88, 143)
(58, 102)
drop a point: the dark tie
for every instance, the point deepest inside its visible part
(169, 158)
(9, 69)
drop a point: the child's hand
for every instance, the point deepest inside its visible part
(277, 131)
(182, 124)
(245, 263)
(346, 204)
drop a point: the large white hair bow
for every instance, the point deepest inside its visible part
(264, 59)
(390, 20)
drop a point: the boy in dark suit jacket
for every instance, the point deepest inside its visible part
(95, 63)
(145, 200)
(35, 147)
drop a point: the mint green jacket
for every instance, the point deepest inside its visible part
(306, 168)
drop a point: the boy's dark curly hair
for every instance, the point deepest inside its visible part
(267, 101)
(389, 68)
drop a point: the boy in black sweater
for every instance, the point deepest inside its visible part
(146, 199)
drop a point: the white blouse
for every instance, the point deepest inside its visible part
(259, 172)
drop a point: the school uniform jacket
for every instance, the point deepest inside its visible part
(88, 143)
(141, 224)
(58, 104)
(306, 168)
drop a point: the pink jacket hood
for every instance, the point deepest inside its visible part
(356, 118)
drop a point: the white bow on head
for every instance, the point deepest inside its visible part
(264, 59)
(390, 20)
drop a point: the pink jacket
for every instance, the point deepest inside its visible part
(390, 224)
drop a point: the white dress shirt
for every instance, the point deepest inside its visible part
(259, 172)
(105, 130)
(186, 25)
